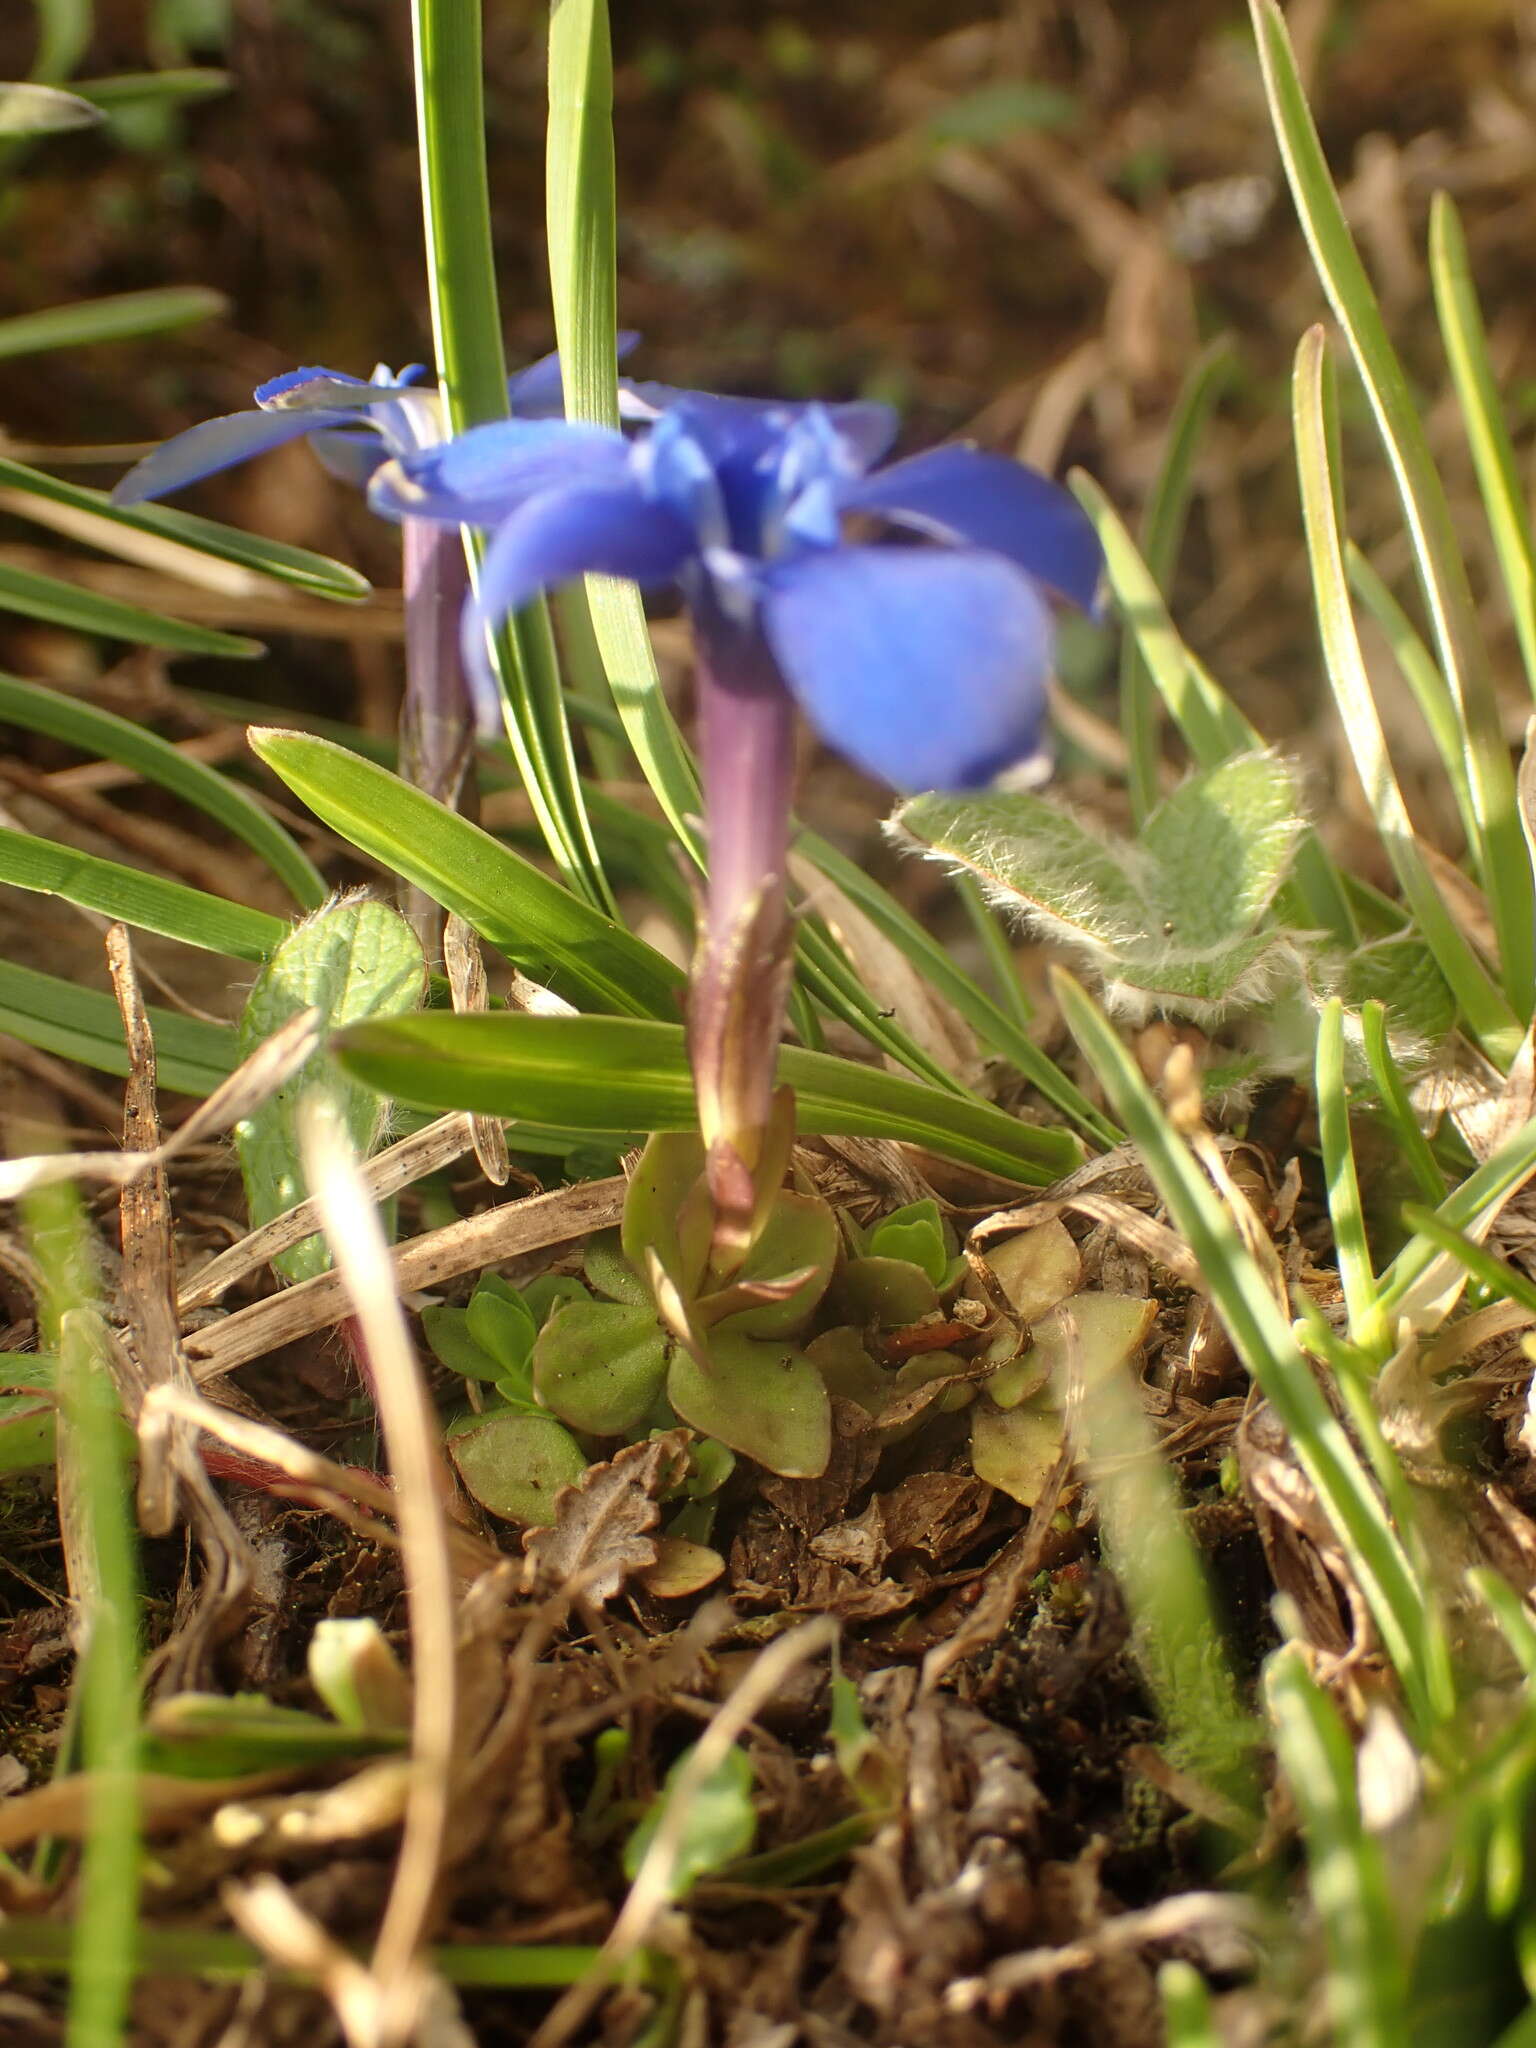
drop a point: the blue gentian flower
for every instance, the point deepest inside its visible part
(352, 423)
(926, 665)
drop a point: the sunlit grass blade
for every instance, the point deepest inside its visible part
(1356, 1273)
(101, 1544)
(1211, 725)
(1262, 1336)
(1466, 346)
(71, 605)
(1366, 1984)
(1486, 1188)
(1162, 536)
(124, 317)
(1487, 1015)
(83, 1024)
(580, 206)
(1412, 1144)
(548, 930)
(466, 326)
(1502, 858)
(173, 909)
(628, 1074)
(316, 574)
(105, 736)
(1503, 1281)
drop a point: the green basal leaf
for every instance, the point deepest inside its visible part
(551, 934)
(316, 574)
(546, 1293)
(123, 317)
(503, 1327)
(192, 1056)
(799, 1241)
(170, 908)
(605, 1268)
(914, 1233)
(446, 1329)
(887, 1291)
(514, 1465)
(720, 1822)
(764, 1399)
(601, 1365)
(1400, 972)
(625, 1073)
(350, 961)
(71, 605)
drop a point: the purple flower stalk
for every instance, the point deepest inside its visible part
(925, 663)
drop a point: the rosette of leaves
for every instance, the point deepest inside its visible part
(1180, 920)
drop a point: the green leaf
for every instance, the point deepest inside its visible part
(351, 960)
(104, 735)
(616, 1073)
(43, 110)
(316, 574)
(446, 1329)
(84, 611)
(550, 933)
(514, 1465)
(764, 1399)
(601, 1365)
(170, 908)
(720, 1822)
(504, 1329)
(123, 317)
(178, 85)
(799, 1237)
(192, 1056)
(914, 1233)
(205, 1735)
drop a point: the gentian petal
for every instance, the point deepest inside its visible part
(348, 455)
(479, 477)
(539, 392)
(213, 445)
(730, 425)
(986, 501)
(314, 388)
(924, 667)
(596, 530)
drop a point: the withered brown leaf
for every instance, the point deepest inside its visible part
(602, 1531)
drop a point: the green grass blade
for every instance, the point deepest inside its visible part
(123, 317)
(1496, 1274)
(1502, 857)
(628, 1074)
(1162, 536)
(316, 574)
(548, 930)
(1466, 346)
(177, 86)
(1266, 1344)
(1487, 1015)
(172, 909)
(83, 611)
(1488, 1186)
(83, 1024)
(105, 736)
(1396, 1107)
(466, 326)
(1211, 725)
(580, 209)
(64, 31)
(1187, 2013)
(1356, 1273)
(1366, 1980)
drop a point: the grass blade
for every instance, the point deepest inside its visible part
(84, 1024)
(546, 929)
(105, 736)
(1356, 1273)
(1487, 1015)
(123, 317)
(316, 574)
(83, 611)
(1502, 857)
(172, 909)
(1395, 1105)
(466, 327)
(1264, 1341)
(1486, 1189)
(628, 1074)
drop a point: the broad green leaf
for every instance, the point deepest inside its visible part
(351, 960)
(446, 1329)
(799, 1237)
(892, 1292)
(504, 1329)
(192, 1057)
(170, 908)
(43, 110)
(121, 318)
(719, 1824)
(104, 735)
(70, 604)
(553, 935)
(761, 1397)
(601, 1365)
(914, 1233)
(622, 1073)
(1016, 1449)
(514, 1465)
(316, 574)
(1222, 844)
